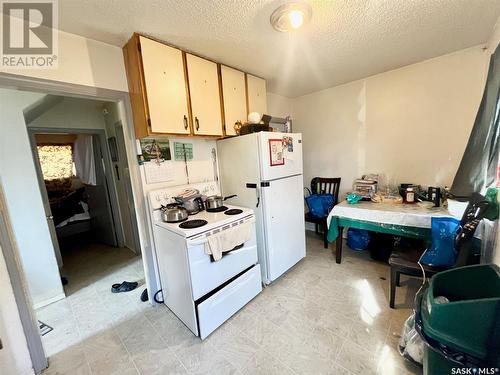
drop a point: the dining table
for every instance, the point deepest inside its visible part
(390, 217)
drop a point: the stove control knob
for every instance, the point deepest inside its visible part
(158, 198)
(165, 196)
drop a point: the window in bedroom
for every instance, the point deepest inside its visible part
(56, 161)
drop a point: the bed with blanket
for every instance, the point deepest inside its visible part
(70, 211)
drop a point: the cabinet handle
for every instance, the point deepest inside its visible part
(185, 122)
(197, 122)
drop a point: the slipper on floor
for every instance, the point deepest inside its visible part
(126, 286)
(144, 295)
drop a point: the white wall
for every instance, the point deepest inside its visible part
(494, 38)
(278, 105)
(200, 169)
(24, 200)
(14, 357)
(73, 113)
(410, 124)
(85, 62)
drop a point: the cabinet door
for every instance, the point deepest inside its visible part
(257, 97)
(204, 93)
(234, 95)
(165, 87)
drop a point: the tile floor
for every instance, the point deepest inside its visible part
(320, 318)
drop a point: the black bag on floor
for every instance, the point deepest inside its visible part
(381, 246)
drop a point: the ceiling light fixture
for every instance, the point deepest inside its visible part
(291, 16)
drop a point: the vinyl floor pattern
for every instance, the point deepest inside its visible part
(320, 318)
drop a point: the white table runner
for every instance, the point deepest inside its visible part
(412, 215)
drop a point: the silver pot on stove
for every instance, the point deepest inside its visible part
(173, 213)
(192, 205)
(215, 201)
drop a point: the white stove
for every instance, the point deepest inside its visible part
(202, 292)
(214, 220)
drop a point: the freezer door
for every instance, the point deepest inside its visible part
(283, 211)
(278, 160)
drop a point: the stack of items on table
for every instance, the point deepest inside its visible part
(366, 186)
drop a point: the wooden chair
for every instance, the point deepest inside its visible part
(406, 262)
(323, 185)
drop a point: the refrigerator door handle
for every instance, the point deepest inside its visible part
(257, 191)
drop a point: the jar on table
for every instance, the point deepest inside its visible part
(409, 195)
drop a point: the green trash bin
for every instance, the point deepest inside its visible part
(462, 336)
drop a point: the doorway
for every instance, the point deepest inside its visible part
(25, 210)
(90, 217)
(75, 189)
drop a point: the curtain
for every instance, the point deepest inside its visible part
(83, 156)
(478, 167)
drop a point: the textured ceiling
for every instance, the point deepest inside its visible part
(345, 40)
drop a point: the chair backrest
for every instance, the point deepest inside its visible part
(471, 218)
(324, 185)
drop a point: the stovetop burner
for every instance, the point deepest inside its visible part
(233, 211)
(190, 224)
(218, 209)
(176, 221)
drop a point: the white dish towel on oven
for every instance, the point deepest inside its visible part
(228, 239)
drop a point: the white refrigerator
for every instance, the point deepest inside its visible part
(265, 171)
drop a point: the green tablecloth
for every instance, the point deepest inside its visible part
(399, 230)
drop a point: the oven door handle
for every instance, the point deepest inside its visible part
(204, 240)
(234, 250)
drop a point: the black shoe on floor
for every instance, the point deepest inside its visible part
(126, 286)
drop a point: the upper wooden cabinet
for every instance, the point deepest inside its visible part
(205, 96)
(256, 94)
(234, 97)
(158, 90)
(176, 93)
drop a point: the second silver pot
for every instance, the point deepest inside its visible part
(215, 201)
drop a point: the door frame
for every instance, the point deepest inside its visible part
(121, 142)
(45, 199)
(16, 273)
(20, 288)
(112, 197)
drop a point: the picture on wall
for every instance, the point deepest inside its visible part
(183, 151)
(155, 149)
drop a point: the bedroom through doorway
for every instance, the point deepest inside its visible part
(78, 194)
(81, 162)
